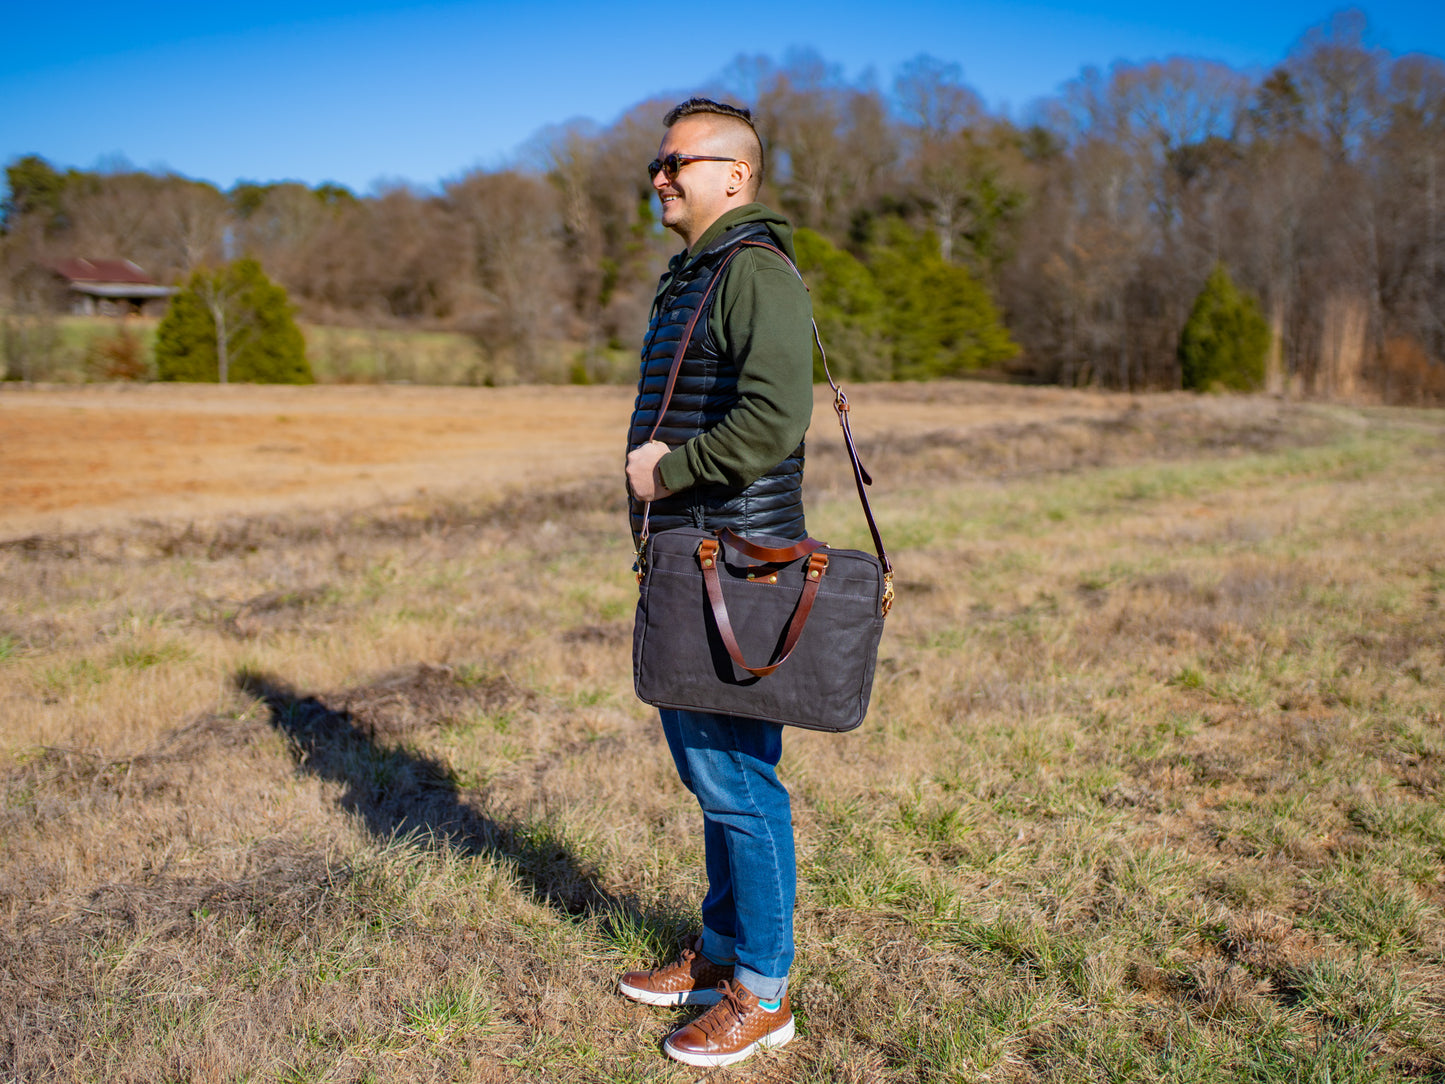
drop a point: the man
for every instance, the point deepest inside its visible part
(727, 453)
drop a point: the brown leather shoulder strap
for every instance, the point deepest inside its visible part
(676, 368)
(687, 338)
(861, 477)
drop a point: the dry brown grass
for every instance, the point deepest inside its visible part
(84, 456)
(1151, 790)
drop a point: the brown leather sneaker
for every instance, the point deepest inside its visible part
(691, 979)
(731, 1030)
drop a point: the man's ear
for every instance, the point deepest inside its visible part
(739, 176)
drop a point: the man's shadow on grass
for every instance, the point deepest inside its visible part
(402, 793)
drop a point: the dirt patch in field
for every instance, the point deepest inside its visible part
(110, 455)
(81, 458)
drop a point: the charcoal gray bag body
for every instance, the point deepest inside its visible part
(775, 629)
(681, 657)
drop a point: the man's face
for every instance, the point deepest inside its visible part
(697, 197)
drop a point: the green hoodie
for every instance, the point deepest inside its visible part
(762, 318)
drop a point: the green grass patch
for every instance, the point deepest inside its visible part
(146, 656)
(453, 1009)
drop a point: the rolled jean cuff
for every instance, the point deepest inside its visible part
(719, 948)
(764, 988)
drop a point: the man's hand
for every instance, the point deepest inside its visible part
(643, 477)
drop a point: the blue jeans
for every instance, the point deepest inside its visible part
(747, 829)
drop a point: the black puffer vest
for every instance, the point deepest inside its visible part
(706, 389)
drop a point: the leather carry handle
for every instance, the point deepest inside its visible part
(773, 555)
(707, 557)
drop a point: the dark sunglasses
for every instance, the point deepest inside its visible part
(674, 162)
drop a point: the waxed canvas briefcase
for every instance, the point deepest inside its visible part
(720, 628)
(765, 628)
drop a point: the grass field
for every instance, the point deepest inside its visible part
(1151, 790)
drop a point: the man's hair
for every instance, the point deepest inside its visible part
(706, 105)
(698, 106)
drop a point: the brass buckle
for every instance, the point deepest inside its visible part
(887, 592)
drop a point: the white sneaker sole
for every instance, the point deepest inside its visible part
(682, 997)
(782, 1035)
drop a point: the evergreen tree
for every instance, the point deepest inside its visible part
(36, 188)
(231, 325)
(848, 307)
(941, 320)
(1225, 339)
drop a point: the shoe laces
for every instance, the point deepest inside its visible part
(725, 1013)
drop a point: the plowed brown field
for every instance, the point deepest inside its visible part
(79, 458)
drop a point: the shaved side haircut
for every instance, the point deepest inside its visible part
(737, 119)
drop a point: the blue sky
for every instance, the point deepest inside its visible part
(370, 92)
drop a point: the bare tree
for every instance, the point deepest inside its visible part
(1338, 74)
(803, 110)
(1408, 202)
(196, 221)
(512, 233)
(568, 155)
(933, 100)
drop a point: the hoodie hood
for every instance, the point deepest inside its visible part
(778, 226)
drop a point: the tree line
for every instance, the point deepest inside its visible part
(1070, 246)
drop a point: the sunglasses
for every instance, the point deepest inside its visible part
(673, 163)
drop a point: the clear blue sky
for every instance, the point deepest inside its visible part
(368, 91)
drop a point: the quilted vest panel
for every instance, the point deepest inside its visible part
(705, 390)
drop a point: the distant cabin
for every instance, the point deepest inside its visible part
(109, 287)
